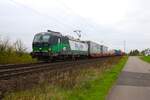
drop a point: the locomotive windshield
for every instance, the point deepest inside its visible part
(37, 38)
(41, 38)
(45, 38)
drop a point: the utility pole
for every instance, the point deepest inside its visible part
(124, 43)
(102, 42)
(78, 32)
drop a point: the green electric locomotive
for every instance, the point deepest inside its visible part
(53, 45)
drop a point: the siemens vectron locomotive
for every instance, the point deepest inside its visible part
(53, 45)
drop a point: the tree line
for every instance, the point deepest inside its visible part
(136, 52)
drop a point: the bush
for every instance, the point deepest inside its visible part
(13, 53)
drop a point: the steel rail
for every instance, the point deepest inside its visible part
(22, 70)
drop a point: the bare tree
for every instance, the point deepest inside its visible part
(19, 47)
(4, 44)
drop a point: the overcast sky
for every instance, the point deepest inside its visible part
(109, 22)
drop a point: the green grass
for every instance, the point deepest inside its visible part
(93, 84)
(14, 58)
(99, 88)
(146, 58)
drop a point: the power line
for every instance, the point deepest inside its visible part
(63, 25)
(78, 32)
(67, 7)
(124, 46)
(41, 14)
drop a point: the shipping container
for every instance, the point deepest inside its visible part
(94, 49)
(111, 52)
(118, 53)
(104, 50)
(78, 47)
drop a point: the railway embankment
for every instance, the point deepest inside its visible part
(85, 79)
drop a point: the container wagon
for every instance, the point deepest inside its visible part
(97, 50)
(104, 50)
(94, 49)
(111, 52)
(118, 52)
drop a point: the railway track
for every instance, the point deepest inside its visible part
(11, 66)
(9, 71)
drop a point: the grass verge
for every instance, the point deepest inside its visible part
(98, 89)
(146, 58)
(14, 58)
(93, 84)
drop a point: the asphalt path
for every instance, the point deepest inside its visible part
(133, 82)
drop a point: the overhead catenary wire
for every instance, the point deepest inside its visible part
(90, 26)
(71, 10)
(63, 25)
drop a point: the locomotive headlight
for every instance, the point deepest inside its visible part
(49, 49)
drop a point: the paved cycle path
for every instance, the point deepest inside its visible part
(133, 82)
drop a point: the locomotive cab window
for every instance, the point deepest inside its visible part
(59, 40)
(37, 38)
(46, 38)
(64, 40)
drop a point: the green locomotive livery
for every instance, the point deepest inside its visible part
(51, 45)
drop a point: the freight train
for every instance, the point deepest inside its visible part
(52, 45)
